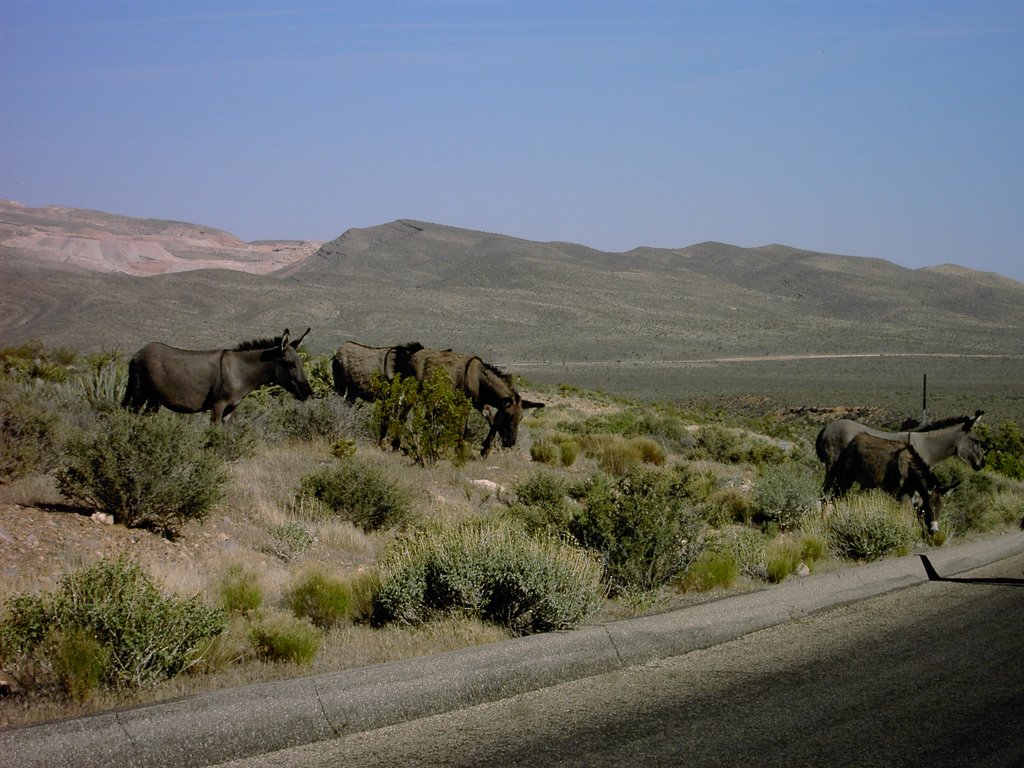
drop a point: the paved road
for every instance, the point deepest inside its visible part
(931, 675)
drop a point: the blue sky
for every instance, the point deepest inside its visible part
(883, 129)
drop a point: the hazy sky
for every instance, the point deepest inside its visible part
(885, 129)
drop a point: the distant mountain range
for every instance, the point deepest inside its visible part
(90, 280)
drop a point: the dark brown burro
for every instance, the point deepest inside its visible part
(355, 365)
(894, 466)
(488, 388)
(215, 380)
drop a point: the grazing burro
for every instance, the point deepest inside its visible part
(486, 386)
(354, 366)
(215, 380)
(894, 466)
(933, 442)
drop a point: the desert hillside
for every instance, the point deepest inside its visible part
(662, 322)
(79, 240)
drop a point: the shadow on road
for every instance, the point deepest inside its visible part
(933, 575)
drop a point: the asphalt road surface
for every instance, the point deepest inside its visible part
(932, 675)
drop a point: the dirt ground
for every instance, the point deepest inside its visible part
(41, 541)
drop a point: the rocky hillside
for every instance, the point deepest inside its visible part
(90, 281)
(92, 241)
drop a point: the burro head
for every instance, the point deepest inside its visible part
(288, 370)
(968, 446)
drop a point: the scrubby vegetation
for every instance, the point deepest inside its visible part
(153, 471)
(606, 507)
(107, 623)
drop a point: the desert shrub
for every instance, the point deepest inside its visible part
(542, 504)
(327, 601)
(782, 557)
(542, 489)
(149, 636)
(762, 452)
(154, 470)
(427, 419)
(651, 452)
(813, 547)
(664, 427)
(318, 374)
(31, 361)
(556, 449)
(749, 546)
(869, 526)
(29, 431)
(495, 573)
(724, 506)
(323, 418)
(718, 444)
(545, 452)
(79, 661)
(358, 491)
(104, 386)
(568, 451)
(290, 539)
(715, 568)
(1004, 448)
(980, 501)
(617, 455)
(784, 494)
(240, 591)
(232, 441)
(644, 529)
(282, 637)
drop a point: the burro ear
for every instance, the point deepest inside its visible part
(285, 339)
(298, 341)
(532, 404)
(946, 490)
(976, 419)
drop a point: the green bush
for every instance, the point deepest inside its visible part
(282, 637)
(651, 452)
(358, 491)
(871, 525)
(290, 539)
(644, 529)
(719, 444)
(617, 455)
(149, 636)
(556, 449)
(568, 451)
(1004, 448)
(785, 494)
(725, 506)
(427, 420)
(28, 433)
(715, 568)
(103, 387)
(664, 427)
(542, 504)
(149, 470)
(782, 557)
(544, 489)
(981, 501)
(79, 661)
(240, 591)
(545, 452)
(33, 362)
(323, 600)
(749, 546)
(232, 441)
(491, 572)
